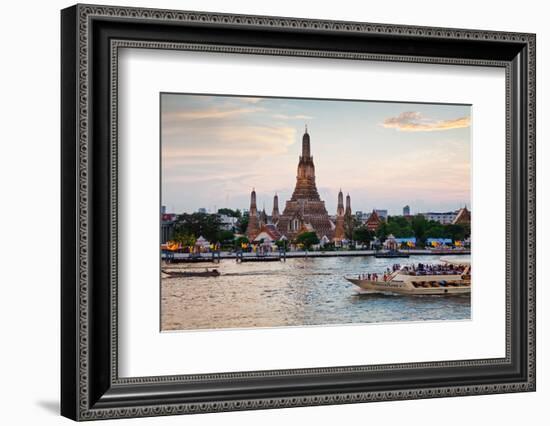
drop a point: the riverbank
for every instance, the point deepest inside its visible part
(183, 257)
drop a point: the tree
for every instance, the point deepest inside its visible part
(224, 235)
(230, 212)
(435, 230)
(363, 235)
(456, 232)
(197, 224)
(243, 223)
(382, 231)
(307, 239)
(419, 226)
(240, 241)
(186, 240)
(399, 227)
(350, 223)
(282, 244)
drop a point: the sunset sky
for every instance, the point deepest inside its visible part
(215, 149)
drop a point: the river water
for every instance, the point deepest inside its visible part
(298, 292)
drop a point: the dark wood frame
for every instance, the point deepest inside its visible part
(90, 386)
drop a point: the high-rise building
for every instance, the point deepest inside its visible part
(382, 213)
(406, 211)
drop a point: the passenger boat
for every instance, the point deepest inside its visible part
(450, 278)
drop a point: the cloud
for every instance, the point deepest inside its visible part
(207, 113)
(412, 121)
(250, 100)
(218, 144)
(293, 117)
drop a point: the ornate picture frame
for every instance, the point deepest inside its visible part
(91, 37)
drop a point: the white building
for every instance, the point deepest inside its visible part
(443, 218)
(228, 223)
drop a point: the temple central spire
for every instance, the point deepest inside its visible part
(305, 210)
(306, 152)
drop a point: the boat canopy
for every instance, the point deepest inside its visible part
(458, 260)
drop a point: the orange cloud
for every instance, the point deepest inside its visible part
(412, 121)
(222, 143)
(208, 113)
(293, 117)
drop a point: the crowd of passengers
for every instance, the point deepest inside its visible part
(422, 269)
(419, 269)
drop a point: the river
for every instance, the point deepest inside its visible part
(298, 292)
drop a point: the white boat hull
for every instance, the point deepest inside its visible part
(393, 287)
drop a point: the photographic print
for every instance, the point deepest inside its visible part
(292, 212)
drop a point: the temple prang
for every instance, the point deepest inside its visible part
(275, 212)
(253, 221)
(305, 211)
(339, 231)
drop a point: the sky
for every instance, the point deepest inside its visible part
(215, 149)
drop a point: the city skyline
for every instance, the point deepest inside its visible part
(215, 149)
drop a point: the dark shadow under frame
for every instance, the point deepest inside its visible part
(91, 37)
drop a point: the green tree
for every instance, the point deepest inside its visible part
(226, 236)
(419, 226)
(456, 232)
(308, 239)
(435, 230)
(363, 235)
(399, 227)
(243, 223)
(382, 231)
(186, 240)
(350, 223)
(240, 241)
(230, 212)
(282, 244)
(197, 224)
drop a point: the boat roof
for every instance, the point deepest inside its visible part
(456, 260)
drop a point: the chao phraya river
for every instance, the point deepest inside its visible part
(298, 292)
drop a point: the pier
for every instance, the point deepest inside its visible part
(282, 256)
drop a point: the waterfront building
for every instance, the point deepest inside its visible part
(228, 223)
(305, 211)
(444, 218)
(373, 221)
(253, 227)
(463, 217)
(406, 211)
(267, 234)
(167, 225)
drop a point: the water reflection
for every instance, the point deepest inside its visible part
(297, 292)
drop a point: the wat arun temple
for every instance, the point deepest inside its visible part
(304, 212)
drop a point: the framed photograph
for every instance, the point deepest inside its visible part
(263, 212)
